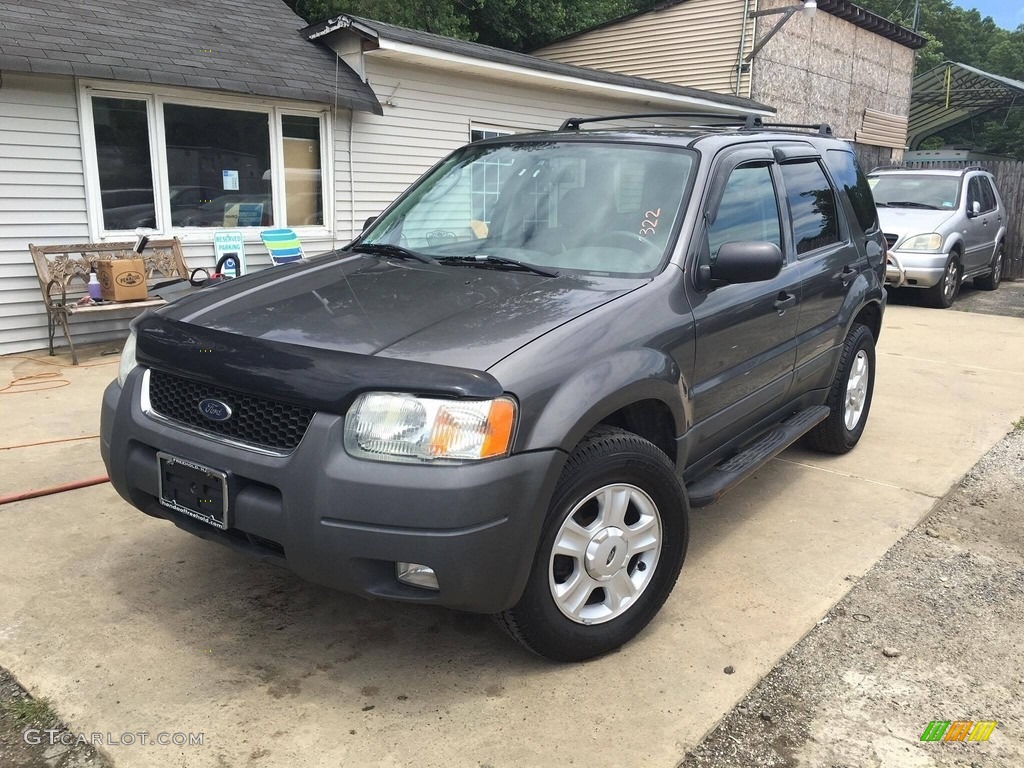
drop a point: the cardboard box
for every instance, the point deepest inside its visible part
(122, 279)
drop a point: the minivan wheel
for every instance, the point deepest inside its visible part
(849, 396)
(943, 293)
(611, 550)
(991, 281)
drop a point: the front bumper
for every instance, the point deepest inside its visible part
(914, 269)
(345, 522)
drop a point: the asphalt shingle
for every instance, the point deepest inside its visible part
(243, 46)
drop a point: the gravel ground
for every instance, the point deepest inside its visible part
(932, 632)
(19, 713)
(1007, 300)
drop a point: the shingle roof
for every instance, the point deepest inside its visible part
(242, 46)
(379, 29)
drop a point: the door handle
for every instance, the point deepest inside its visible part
(847, 274)
(784, 301)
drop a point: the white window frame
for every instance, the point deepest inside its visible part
(155, 98)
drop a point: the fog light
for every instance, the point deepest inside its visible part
(416, 575)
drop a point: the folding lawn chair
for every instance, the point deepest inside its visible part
(283, 244)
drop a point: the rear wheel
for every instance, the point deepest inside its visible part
(943, 293)
(991, 281)
(612, 547)
(849, 397)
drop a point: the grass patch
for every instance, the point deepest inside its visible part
(28, 710)
(1018, 425)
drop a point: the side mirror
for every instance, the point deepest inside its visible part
(744, 262)
(974, 209)
(368, 222)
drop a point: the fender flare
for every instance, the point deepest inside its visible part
(602, 388)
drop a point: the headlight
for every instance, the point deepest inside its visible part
(128, 361)
(929, 242)
(392, 426)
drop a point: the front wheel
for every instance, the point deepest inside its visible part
(612, 547)
(849, 396)
(943, 293)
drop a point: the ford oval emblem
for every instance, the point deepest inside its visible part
(215, 410)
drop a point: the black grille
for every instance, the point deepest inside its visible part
(254, 420)
(890, 240)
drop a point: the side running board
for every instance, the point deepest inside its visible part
(713, 485)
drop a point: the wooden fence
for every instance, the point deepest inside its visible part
(1009, 177)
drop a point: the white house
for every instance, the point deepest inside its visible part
(186, 119)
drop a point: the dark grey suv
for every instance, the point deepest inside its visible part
(506, 394)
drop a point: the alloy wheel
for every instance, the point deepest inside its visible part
(605, 553)
(856, 390)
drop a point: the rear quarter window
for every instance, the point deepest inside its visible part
(851, 179)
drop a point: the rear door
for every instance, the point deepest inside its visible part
(828, 261)
(992, 218)
(745, 333)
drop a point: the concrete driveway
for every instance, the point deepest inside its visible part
(129, 625)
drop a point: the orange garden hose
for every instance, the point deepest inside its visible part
(11, 497)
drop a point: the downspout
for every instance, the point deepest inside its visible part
(743, 45)
(351, 174)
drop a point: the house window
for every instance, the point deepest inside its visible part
(168, 165)
(125, 172)
(488, 176)
(225, 156)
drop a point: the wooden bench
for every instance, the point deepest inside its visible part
(58, 267)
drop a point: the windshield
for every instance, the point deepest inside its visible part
(569, 206)
(899, 190)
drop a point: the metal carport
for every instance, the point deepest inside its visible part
(951, 93)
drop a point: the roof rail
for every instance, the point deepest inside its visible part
(889, 167)
(574, 123)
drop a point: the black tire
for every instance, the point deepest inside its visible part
(832, 435)
(944, 293)
(991, 281)
(605, 456)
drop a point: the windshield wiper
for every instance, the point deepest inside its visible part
(394, 251)
(484, 260)
(910, 204)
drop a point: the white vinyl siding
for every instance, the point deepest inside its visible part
(431, 113)
(694, 43)
(42, 197)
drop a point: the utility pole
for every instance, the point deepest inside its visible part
(917, 15)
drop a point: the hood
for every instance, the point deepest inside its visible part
(449, 315)
(912, 221)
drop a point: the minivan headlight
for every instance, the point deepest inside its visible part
(928, 242)
(395, 426)
(128, 361)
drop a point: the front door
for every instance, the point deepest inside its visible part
(745, 333)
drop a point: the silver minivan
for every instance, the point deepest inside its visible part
(941, 227)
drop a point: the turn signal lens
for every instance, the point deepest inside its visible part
(394, 426)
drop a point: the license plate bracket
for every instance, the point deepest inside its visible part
(192, 489)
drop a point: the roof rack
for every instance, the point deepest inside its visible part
(754, 123)
(574, 123)
(745, 123)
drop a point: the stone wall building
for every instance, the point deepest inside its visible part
(841, 64)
